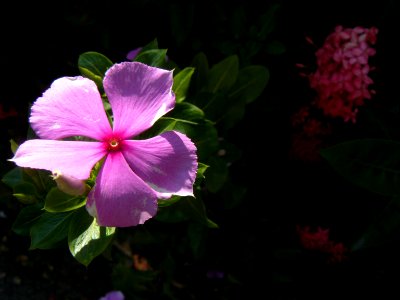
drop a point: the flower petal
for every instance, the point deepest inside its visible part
(139, 95)
(72, 106)
(119, 198)
(168, 162)
(72, 158)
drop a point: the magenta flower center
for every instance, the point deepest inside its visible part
(113, 144)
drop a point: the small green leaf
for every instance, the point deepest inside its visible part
(250, 83)
(373, 164)
(201, 169)
(25, 198)
(14, 146)
(168, 202)
(58, 201)
(50, 229)
(181, 83)
(153, 57)
(150, 46)
(94, 65)
(26, 218)
(211, 224)
(223, 75)
(86, 239)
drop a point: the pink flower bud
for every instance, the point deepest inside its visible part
(69, 184)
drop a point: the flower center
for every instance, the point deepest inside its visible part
(114, 144)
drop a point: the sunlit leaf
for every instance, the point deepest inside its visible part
(14, 146)
(94, 65)
(153, 57)
(182, 83)
(25, 192)
(86, 239)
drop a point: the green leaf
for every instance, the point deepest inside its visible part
(23, 188)
(50, 229)
(58, 201)
(205, 137)
(268, 22)
(384, 229)
(13, 177)
(275, 48)
(168, 202)
(201, 169)
(40, 178)
(150, 46)
(217, 174)
(25, 192)
(167, 124)
(250, 84)
(197, 234)
(181, 83)
(223, 75)
(187, 111)
(173, 213)
(200, 64)
(14, 146)
(133, 283)
(26, 218)
(188, 208)
(153, 57)
(86, 239)
(94, 65)
(196, 209)
(373, 164)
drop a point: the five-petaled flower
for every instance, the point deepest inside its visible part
(135, 173)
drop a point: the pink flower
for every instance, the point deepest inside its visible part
(134, 173)
(133, 53)
(113, 295)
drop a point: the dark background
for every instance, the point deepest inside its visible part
(41, 42)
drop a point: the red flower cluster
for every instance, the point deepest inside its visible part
(307, 140)
(319, 240)
(341, 80)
